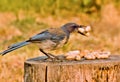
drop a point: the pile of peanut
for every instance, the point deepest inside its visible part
(91, 55)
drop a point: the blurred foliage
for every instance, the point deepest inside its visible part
(55, 7)
(26, 22)
(48, 8)
(52, 7)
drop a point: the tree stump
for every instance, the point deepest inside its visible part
(98, 70)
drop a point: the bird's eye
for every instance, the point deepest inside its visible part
(75, 26)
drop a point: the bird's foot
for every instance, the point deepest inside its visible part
(52, 57)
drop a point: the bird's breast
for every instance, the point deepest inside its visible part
(51, 45)
(47, 44)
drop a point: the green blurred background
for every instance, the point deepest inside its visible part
(21, 19)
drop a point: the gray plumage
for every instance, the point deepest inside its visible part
(48, 39)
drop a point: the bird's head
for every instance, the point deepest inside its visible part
(70, 27)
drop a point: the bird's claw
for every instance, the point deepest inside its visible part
(53, 58)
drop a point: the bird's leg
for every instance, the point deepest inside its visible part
(45, 53)
(50, 56)
(53, 56)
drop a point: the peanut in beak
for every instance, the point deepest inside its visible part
(85, 30)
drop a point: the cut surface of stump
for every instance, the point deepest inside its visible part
(98, 70)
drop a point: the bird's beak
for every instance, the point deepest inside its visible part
(84, 30)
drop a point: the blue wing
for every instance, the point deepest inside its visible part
(46, 35)
(41, 36)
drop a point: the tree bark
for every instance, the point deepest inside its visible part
(98, 70)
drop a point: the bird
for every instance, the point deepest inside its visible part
(51, 38)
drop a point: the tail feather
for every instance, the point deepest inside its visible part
(14, 47)
(17, 44)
